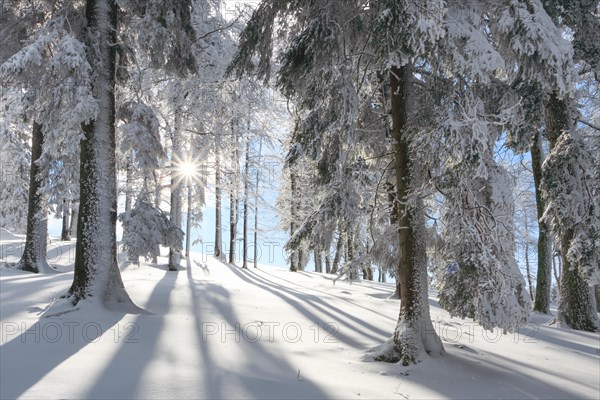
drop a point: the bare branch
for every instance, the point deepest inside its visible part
(596, 127)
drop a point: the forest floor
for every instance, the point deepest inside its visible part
(217, 331)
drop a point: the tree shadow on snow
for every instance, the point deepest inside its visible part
(261, 373)
(35, 352)
(545, 334)
(315, 309)
(326, 293)
(122, 375)
(27, 286)
(489, 378)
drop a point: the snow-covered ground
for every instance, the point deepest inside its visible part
(217, 331)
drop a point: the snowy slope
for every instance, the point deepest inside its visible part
(314, 337)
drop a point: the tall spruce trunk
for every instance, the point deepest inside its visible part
(246, 187)
(300, 260)
(339, 247)
(576, 307)
(414, 334)
(256, 204)
(293, 260)
(233, 217)
(318, 260)
(368, 273)
(350, 252)
(234, 201)
(218, 194)
(232, 226)
(74, 218)
(129, 183)
(528, 270)
(527, 263)
(256, 236)
(65, 234)
(34, 253)
(544, 264)
(188, 224)
(393, 200)
(96, 272)
(176, 193)
(176, 220)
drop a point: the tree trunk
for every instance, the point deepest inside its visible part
(256, 204)
(34, 253)
(327, 264)
(527, 263)
(576, 306)
(65, 234)
(245, 227)
(234, 201)
(393, 200)
(318, 261)
(96, 272)
(74, 218)
(233, 206)
(544, 277)
(528, 270)
(176, 192)
(350, 253)
(293, 265)
(556, 259)
(129, 183)
(300, 260)
(188, 224)
(414, 332)
(255, 237)
(218, 230)
(338, 254)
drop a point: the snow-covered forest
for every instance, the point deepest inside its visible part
(300, 199)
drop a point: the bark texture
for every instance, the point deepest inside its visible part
(34, 253)
(414, 332)
(544, 265)
(97, 276)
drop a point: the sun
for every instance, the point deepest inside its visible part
(187, 169)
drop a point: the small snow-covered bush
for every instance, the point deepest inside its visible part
(145, 229)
